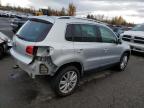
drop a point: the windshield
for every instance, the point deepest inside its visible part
(34, 30)
(138, 28)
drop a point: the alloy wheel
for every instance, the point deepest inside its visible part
(68, 82)
(124, 62)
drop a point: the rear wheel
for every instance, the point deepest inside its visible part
(1, 51)
(66, 81)
(123, 62)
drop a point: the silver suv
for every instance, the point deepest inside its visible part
(65, 48)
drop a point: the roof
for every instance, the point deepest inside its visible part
(52, 19)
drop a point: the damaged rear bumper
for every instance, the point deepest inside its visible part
(39, 66)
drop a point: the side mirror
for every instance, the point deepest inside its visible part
(119, 41)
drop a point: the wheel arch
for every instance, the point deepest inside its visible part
(128, 52)
(78, 65)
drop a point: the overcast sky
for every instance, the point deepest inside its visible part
(131, 10)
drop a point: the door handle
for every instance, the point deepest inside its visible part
(106, 49)
(80, 50)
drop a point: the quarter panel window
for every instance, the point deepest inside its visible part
(73, 33)
(68, 34)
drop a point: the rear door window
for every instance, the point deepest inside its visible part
(82, 33)
(76, 33)
(34, 30)
(89, 33)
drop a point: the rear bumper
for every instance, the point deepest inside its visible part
(24, 63)
(28, 69)
(19, 57)
(33, 68)
(135, 46)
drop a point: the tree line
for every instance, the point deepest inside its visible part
(18, 9)
(118, 20)
(70, 11)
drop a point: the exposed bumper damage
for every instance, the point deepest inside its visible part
(34, 68)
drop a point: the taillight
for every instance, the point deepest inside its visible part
(31, 50)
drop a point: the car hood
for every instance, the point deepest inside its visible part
(134, 33)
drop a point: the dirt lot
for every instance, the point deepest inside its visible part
(107, 89)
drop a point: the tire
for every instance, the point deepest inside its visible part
(123, 62)
(64, 85)
(1, 51)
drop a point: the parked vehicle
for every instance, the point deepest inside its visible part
(66, 47)
(118, 30)
(5, 44)
(135, 38)
(17, 22)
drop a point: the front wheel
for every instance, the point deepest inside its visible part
(123, 62)
(66, 81)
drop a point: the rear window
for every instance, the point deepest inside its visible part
(34, 30)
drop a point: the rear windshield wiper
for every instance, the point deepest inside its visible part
(19, 36)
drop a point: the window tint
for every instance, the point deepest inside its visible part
(73, 32)
(34, 31)
(76, 33)
(68, 35)
(107, 35)
(89, 33)
(82, 33)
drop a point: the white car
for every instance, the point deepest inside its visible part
(135, 38)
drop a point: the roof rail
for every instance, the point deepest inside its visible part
(72, 17)
(64, 17)
(89, 20)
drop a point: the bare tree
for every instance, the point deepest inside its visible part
(62, 12)
(71, 9)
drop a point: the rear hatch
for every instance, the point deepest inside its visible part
(24, 42)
